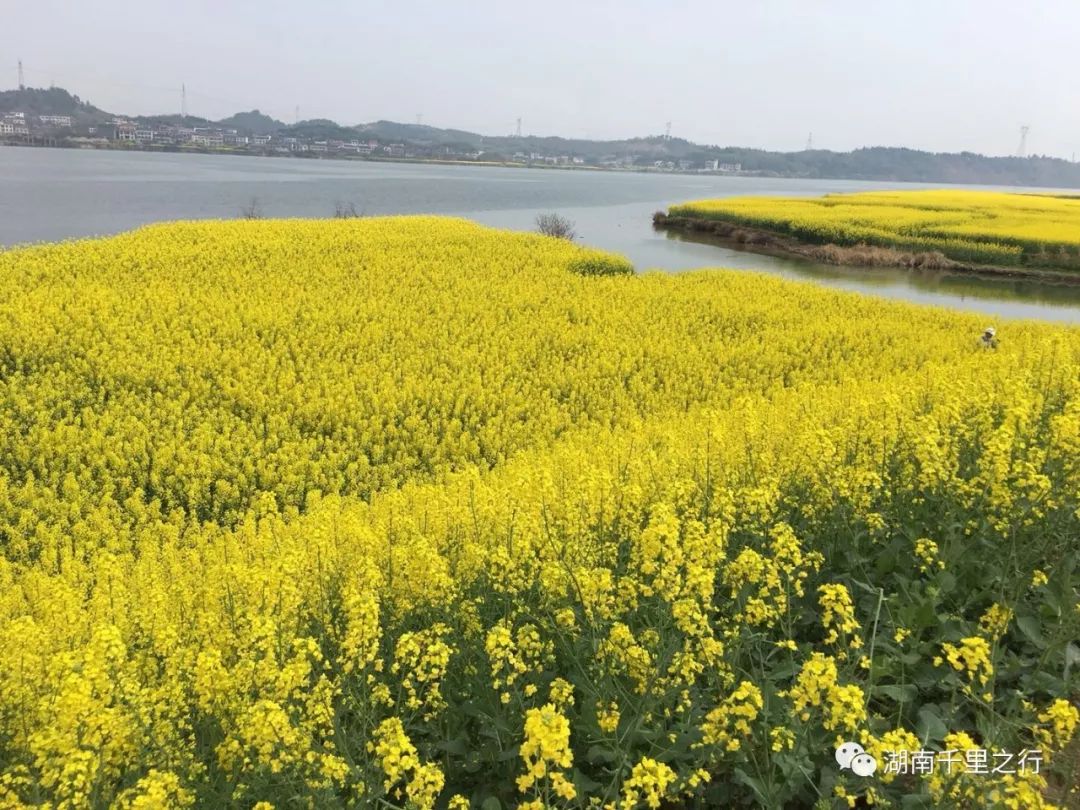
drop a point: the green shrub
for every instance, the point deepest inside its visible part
(602, 264)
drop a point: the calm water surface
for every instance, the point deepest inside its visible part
(50, 194)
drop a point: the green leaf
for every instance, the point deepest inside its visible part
(926, 614)
(1031, 628)
(509, 754)
(871, 589)
(927, 676)
(946, 582)
(600, 753)
(490, 803)
(1072, 656)
(910, 659)
(584, 784)
(1045, 682)
(783, 670)
(930, 727)
(458, 746)
(751, 782)
(900, 693)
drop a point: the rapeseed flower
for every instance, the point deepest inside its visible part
(289, 509)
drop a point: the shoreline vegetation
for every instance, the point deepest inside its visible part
(52, 142)
(991, 234)
(346, 158)
(773, 243)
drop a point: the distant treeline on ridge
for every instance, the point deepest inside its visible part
(57, 117)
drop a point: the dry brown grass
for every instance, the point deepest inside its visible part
(874, 256)
(852, 255)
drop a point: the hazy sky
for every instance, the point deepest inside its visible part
(944, 75)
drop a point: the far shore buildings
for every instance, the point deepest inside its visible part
(14, 124)
(178, 132)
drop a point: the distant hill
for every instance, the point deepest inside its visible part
(50, 101)
(319, 129)
(172, 119)
(252, 123)
(871, 163)
(906, 165)
(418, 133)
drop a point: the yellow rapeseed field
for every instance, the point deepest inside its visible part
(411, 513)
(972, 226)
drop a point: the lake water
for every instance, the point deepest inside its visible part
(51, 194)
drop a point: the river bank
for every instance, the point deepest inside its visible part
(772, 243)
(186, 149)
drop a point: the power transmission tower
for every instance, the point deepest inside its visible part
(183, 101)
(1022, 149)
(518, 130)
(22, 84)
(667, 131)
(810, 142)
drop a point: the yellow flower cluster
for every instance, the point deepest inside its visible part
(156, 790)
(546, 751)
(781, 738)
(971, 657)
(977, 226)
(512, 657)
(838, 615)
(421, 658)
(926, 551)
(648, 783)
(729, 722)
(607, 717)
(1025, 790)
(952, 785)
(624, 654)
(394, 750)
(287, 508)
(995, 621)
(1059, 723)
(893, 740)
(842, 705)
(398, 759)
(768, 580)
